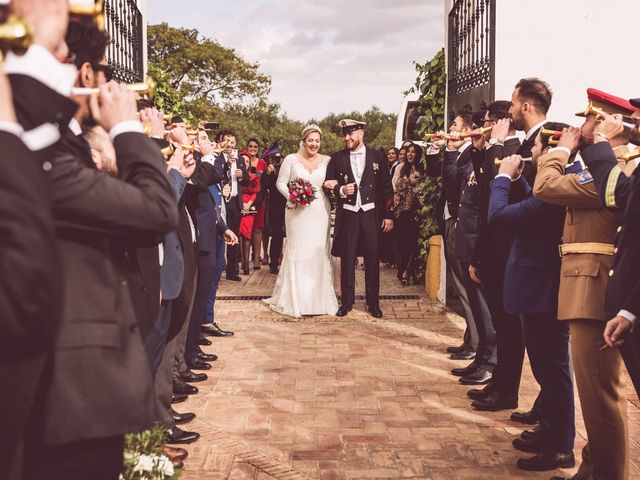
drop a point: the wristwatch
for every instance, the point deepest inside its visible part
(494, 141)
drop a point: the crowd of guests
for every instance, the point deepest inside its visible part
(117, 226)
(539, 238)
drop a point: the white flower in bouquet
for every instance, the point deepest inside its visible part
(165, 466)
(145, 464)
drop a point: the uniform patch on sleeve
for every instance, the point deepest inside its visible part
(584, 177)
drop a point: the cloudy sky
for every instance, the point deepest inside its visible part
(323, 56)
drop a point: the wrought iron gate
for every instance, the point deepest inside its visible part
(471, 55)
(125, 52)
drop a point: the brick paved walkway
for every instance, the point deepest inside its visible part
(354, 398)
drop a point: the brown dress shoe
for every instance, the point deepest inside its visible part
(175, 453)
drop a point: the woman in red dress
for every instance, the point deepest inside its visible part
(252, 221)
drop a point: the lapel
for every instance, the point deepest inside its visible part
(347, 167)
(368, 166)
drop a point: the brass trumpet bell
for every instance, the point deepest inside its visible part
(591, 110)
(632, 155)
(170, 150)
(94, 12)
(15, 35)
(554, 135)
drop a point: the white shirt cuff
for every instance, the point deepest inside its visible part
(564, 149)
(342, 192)
(40, 64)
(627, 316)
(637, 161)
(503, 175)
(209, 159)
(11, 127)
(128, 126)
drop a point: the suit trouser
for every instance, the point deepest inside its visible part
(97, 459)
(206, 274)
(486, 352)
(233, 251)
(470, 333)
(508, 328)
(28, 378)
(163, 384)
(277, 238)
(180, 365)
(547, 342)
(603, 400)
(362, 234)
(156, 340)
(630, 351)
(209, 313)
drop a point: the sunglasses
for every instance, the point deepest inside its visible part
(108, 70)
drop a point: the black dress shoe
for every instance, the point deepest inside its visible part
(274, 270)
(375, 311)
(480, 393)
(495, 402)
(479, 377)
(207, 357)
(234, 278)
(343, 310)
(215, 331)
(530, 418)
(530, 434)
(198, 364)
(193, 377)
(177, 435)
(547, 461)
(457, 349)
(181, 418)
(178, 398)
(463, 355)
(461, 372)
(182, 388)
(204, 341)
(533, 445)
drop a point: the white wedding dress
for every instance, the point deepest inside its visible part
(305, 283)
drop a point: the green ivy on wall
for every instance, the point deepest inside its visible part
(431, 86)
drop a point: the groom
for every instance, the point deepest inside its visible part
(363, 192)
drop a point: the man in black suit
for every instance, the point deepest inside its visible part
(363, 190)
(100, 387)
(236, 176)
(30, 298)
(275, 210)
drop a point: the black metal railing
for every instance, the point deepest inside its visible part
(471, 44)
(125, 51)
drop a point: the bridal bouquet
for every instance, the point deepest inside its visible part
(301, 192)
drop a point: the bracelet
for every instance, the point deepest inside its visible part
(600, 134)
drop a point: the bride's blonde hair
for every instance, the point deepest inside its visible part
(308, 130)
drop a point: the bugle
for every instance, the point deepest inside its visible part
(144, 89)
(93, 10)
(498, 161)
(632, 154)
(15, 35)
(457, 136)
(554, 135)
(600, 114)
(170, 150)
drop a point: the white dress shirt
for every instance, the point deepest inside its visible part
(232, 172)
(358, 159)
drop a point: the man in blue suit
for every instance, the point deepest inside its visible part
(531, 290)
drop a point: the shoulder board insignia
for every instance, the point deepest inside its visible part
(584, 177)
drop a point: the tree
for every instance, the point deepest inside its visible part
(201, 69)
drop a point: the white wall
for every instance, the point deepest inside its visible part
(571, 44)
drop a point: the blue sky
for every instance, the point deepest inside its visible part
(324, 56)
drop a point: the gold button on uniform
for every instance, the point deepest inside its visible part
(615, 250)
(611, 273)
(619, 229)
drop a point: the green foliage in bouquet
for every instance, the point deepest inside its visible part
(144, 458)
(431, 86)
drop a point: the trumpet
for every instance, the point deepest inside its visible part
(94, 12)
(554, 135)
(600, 114)
(456, 136)
(144, 89)
(632, 155)
(498, 161)
(15, 35)
(170, 150)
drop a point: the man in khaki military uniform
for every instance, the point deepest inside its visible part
(587, 257)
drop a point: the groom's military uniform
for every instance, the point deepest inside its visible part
(359, 215)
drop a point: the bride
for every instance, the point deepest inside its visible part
(305, 283)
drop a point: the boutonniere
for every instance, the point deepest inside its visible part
(376, 167)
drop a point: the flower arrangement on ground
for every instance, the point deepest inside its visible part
(144, 459)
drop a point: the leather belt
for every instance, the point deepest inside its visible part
(587, 247)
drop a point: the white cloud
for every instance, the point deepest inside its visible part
(332, 55)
